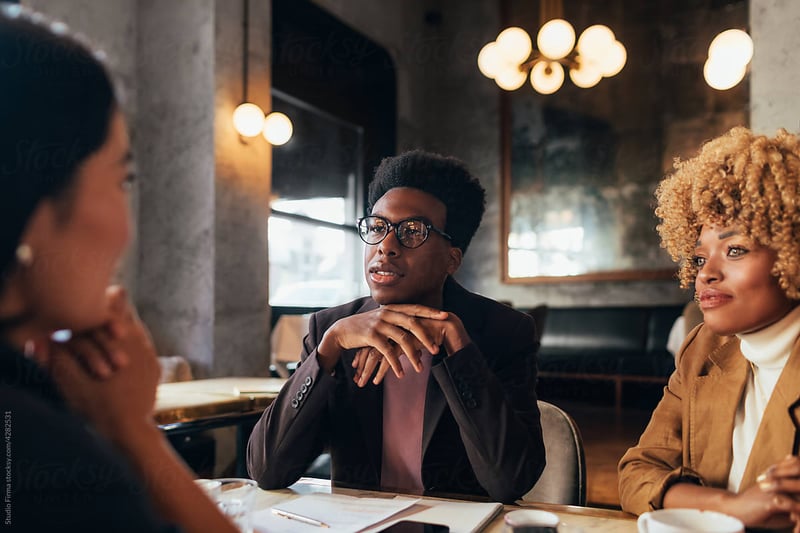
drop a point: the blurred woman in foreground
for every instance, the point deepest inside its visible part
(81, 448)
(723, 436)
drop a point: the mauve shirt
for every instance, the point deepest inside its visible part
(403, 413)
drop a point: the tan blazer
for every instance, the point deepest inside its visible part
(690, 432)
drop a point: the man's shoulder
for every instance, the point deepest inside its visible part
(482, 309)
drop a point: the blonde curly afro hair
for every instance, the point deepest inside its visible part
(750, 181)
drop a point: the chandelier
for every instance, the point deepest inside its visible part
(511, 58)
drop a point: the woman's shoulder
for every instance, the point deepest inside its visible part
(59, 464)
(32, 417)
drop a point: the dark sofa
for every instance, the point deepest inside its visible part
(617, 344)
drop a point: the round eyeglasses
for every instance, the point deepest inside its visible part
(410, 233)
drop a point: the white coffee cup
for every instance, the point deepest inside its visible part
(531, 521)
(688, 520)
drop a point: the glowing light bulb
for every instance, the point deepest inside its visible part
(278, 128)
(595, 42)
(587, 74)
(248, 119)
(722, 75)
(547, 76)
(514, 45)
(510, 77)
(732, 45)
(556, 39)
(614, 59)
(490, 61)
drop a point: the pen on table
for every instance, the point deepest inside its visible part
(299, 518)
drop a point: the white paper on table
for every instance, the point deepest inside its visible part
(342, 513)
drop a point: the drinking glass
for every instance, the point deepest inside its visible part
(234, 497)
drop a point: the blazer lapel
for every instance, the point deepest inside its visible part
(713, 405)
(460, 301)
(456, 300)
(368, 404)
(777, 433)
(435, 403)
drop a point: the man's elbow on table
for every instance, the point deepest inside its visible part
(256, 457)
(269, 474)
(257, 463)
(267, 478)
(517, 482)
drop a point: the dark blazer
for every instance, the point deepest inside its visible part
(481, 430)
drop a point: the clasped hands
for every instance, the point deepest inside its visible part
(772, 502)
(385, 334)
(109, 373)
(781, 484)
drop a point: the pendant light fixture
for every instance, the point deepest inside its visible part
(511, 58)
(248, 118)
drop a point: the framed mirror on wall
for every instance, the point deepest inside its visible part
(580, 166)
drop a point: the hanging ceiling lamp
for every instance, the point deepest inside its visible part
(510, 58)
(248, 118)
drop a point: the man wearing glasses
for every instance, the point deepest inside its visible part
(423, 387)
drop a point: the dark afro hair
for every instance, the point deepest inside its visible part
(445, 178)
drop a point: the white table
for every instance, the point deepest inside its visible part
(588, 519)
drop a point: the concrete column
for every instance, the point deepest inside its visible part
(198, 269)
(775, 70)
(175, 123)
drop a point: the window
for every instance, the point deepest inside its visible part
(314, 249)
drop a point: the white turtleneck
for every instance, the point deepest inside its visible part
(767, 350)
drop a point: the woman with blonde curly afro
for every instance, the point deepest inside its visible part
(723, 437)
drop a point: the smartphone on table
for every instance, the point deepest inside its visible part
(410, 526)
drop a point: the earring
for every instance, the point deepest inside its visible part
(696, 298)
(24, 255)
